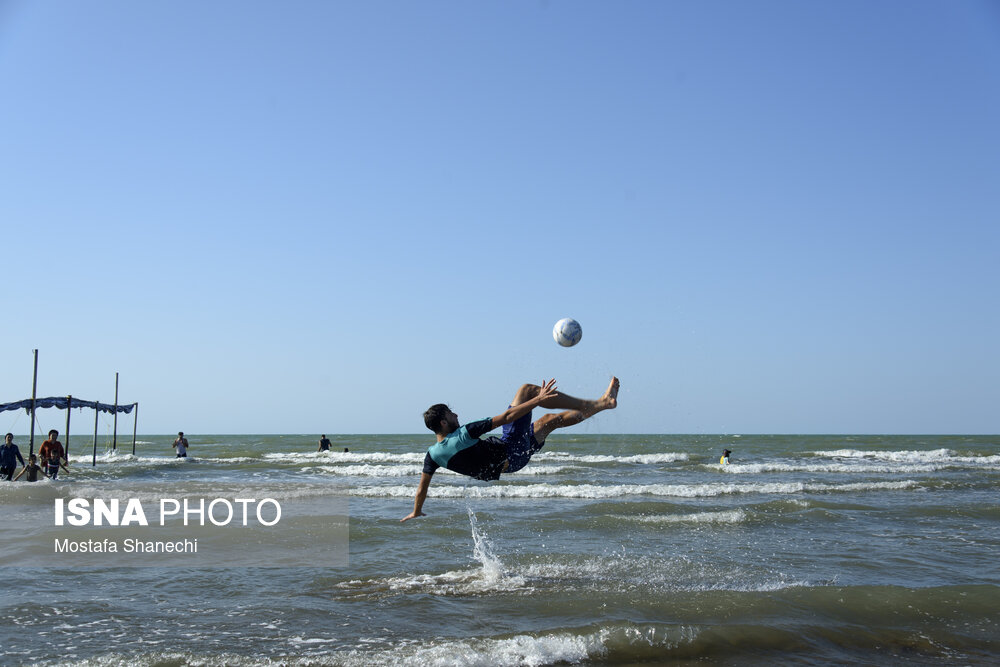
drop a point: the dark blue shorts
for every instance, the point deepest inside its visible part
(519, 436)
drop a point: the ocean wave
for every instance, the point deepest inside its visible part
(473, 581)
(608, 573)
(941, 458)
(666, 457)
(855, 468)
(520, 650)
(271, 458)
(612, 642)
(727, 516)
(905, 456)
(545, 649)
(347, 457)
(194, 490)
(414, 471)
(123, 457)
(370, 458)
(620, 490)
(368, 470)
(112, 458)
(544, 470)
(223, 459)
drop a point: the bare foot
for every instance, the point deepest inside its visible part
(609, 401)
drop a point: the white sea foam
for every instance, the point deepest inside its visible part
(909, 456)
(112, 458)
(523, 650)
(978, 460)
(272, 458)
(128, 460)
(368, 470)
(225, 459)
(592, 491)
(942, 457)
(474, 581)
(673, 574)
(490, 577)
(601, 573)
(414, 470)
(666, 457)
(196, 489)
(544, 470)
(372, 458)
(520, 651)
(314, 640)
(109, 457)
(729, 516)
(347, 457)
(852, 468)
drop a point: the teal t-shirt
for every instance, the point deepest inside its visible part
(463, 451)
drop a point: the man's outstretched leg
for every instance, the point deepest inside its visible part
(561, 401)
(524, 438)
(545, 424)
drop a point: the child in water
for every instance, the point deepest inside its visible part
(724, 460)
(32, 469)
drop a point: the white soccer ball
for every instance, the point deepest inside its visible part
(567, 332)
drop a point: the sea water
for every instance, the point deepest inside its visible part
(605, 550)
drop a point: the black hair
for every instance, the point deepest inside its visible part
(51, 431)
(9, 435)
(434, 415)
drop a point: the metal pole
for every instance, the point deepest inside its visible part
(34, 390)
(96, 413)
(135, 425)
(69, 410)
(114, 439)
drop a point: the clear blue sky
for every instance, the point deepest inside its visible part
(324, 216)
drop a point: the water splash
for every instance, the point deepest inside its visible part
(482, 550)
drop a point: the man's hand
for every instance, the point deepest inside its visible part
(547, 390)
(418, 502)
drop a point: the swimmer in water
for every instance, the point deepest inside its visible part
(461, 449)
(724, 459)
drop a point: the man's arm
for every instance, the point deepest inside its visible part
(23, 470)
(514, 413)
(418, 502)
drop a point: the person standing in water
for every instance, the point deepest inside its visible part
(724, 459)
(181, 445)
(32, 469)
(9, 455)
(324, 443)
(461, 449)
(52, 455)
